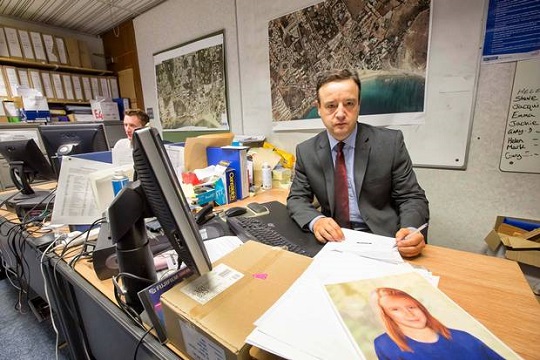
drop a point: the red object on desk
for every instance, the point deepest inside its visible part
(190, 178)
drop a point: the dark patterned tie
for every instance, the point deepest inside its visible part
(341, 189)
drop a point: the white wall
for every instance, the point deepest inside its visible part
(95, 43)
(463, 203)
(176, 22)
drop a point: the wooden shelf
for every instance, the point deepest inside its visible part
(69, 102)
(53, 67)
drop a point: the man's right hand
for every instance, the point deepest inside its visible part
(327, 229)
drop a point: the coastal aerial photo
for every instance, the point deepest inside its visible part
(386, 41)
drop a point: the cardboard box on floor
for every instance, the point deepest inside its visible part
(516, 241)
(221, 325)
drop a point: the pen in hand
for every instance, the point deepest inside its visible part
(422, 227)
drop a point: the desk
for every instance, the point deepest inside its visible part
(492, 290)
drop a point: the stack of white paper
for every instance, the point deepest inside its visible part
(303, 324)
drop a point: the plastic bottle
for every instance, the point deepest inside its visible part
(119, 180)
(266, 176)
(249, 165)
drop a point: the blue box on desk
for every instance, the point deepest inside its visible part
(226, 188)
(236, 156)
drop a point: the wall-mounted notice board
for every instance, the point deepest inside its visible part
(521, 146)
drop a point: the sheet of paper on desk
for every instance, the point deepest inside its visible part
(74, 201)
(221, 246)
(303, 323)
(216, 249)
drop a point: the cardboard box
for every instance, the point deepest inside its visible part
(72, 47)
(104, 110)
(84, 55)
(221, 325)
(513, 238)
(3, 115)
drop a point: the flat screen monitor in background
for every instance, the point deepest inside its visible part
(70, 139)
(20, 131)
(158, 190)
(114, 131)
(26, 164)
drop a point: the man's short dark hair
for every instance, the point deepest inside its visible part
(337, 75)
(141, 115)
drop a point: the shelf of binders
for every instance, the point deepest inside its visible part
(56, 85)
(52, 67)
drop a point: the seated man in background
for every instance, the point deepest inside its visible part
(374, 187)
(133, 120)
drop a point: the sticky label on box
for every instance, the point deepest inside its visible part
(211, 284)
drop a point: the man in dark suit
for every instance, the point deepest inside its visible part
(383, 194)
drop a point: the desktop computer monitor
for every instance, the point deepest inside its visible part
(71, 139)
(27, 163)
(167, 200)
(114, 131)
(156, 192)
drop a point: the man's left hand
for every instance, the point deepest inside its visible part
(411, 246)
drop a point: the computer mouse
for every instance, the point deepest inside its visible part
(235, 211)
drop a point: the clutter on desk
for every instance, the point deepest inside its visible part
(260, 156)
(251, 141)
(213, 183)
(520, 238)
(286, 158)
(244, 167)
(195, 149)
(266, 171)
(236, 156)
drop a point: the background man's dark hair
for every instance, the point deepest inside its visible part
(143, 117)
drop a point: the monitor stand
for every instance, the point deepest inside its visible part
(7, 195)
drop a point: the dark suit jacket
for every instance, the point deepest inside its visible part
(389, 196)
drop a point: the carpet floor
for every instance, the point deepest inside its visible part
(22, 335)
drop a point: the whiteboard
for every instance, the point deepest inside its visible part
(521, 145)
(442, 140)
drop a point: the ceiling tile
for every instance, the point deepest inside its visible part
(92, 17)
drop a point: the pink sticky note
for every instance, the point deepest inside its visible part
(260, 276)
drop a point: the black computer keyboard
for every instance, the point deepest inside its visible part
(250, 228)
